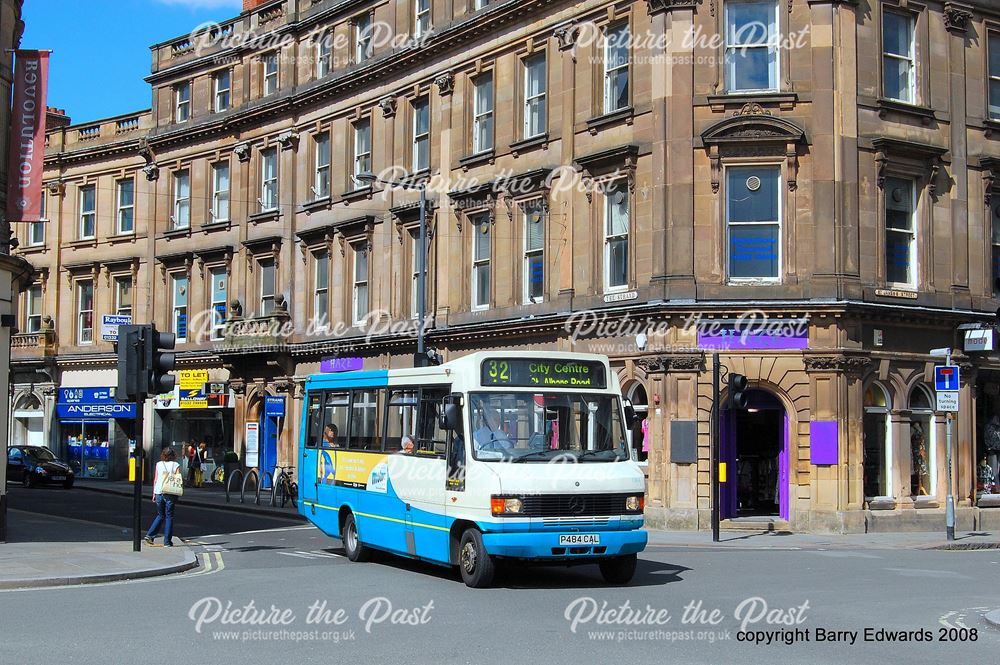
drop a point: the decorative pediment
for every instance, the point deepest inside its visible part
(754, 132)
(445, 83)
(928, 157)
(957, 17)
(481, 197)
(622, 159)
(991, 176)
(655, 6)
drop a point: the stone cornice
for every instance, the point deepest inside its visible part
(689, 362)
(837, 362)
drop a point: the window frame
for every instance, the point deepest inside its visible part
(418, 137)
(269, 189)
(361, 250)
(420, 17)
(218, 326)
(608, 237)
(992, 78)
(930, 416)
(119, 208)
(220, 195)
(528, 253)
(270, 80)
(608, 75)
(32, 238)
(81, 338)
(415, 274)
(177, 308)
(182, 102)
(362, 37)
(729, 62)
(322, 172)
(357, 154)
(528, 100)
(913, 260)
(884, 412)
(266, 301)
(480, 116)
(33, 308)
(776, 279)
(478, 220)
(321, 294)
(85, 214)
(324, 55)
(181, 202)
(119, 281)
(914, 89)
(218, 91)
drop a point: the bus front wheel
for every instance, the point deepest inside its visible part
(476, 564)
(356, 550)
(619, 569)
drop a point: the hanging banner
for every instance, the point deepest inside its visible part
(27, 136)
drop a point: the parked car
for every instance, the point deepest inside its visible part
(35, 465)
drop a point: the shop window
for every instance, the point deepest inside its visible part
(752, 40)
(616, 236)
(923, 448)
(364, 411)
(87, 446)
(898, 57)
(877, 443)
(900, 232)
(640, 430)
(753, 217)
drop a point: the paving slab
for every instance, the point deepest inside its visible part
(743, 539)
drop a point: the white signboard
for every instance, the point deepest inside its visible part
(947, 400)
(110, 323)
(979, 340)
(252, 443)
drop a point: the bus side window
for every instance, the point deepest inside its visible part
(364, 408)
(314, 424)
(431, 438)
(401, 419)
(335, 418)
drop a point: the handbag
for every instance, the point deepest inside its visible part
(173, 484)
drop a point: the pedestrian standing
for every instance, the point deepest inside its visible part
(164, 502)
(194, 463)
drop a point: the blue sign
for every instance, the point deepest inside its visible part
(274, 407)
(946, 378)
(91, 404)
(341, 364)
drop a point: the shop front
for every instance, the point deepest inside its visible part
(95, 432)
(191, 416)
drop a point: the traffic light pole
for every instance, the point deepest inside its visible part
(716, 413)
(140, 402)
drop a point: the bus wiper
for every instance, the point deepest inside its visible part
(521, 458)
(588, 453)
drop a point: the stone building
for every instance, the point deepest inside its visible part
(733, 175)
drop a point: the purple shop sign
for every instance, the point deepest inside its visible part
(341, 364)
(731, 338)
(823, 442)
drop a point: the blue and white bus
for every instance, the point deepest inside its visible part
(512, 455)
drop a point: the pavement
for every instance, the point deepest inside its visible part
(209, 496)
(772, 540)
(49, 551)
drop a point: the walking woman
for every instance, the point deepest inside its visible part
(164, 502)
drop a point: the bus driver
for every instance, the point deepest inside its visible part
(490, 436)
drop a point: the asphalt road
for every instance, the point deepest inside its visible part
(309, 604)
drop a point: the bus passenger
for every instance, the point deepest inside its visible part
(330, 436)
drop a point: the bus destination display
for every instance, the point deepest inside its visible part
(528, 373)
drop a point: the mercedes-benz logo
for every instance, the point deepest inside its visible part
(577, 505)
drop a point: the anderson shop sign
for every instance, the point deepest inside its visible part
(91, 404)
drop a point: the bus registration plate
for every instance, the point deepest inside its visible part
(580, 539)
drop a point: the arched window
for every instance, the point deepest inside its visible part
(923, 443)
(877, 444)
(640, 430)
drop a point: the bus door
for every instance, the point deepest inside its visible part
(333, 437)
(309, 452)
(427, 512)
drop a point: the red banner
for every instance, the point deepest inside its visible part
(27, 136)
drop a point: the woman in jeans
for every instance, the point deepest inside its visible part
(164, 502)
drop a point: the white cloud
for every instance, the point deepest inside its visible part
(205, 4)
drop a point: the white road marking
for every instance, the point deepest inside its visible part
(315, 554)
(244, 533)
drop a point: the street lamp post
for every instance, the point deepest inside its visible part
(420, 357)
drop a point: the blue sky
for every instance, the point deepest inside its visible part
(101, 47)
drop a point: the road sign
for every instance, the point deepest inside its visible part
(946, 378)
(110, 323)
(947, 400)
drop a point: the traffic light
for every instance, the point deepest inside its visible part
(130, 363)
(737, 391)
(159, 360)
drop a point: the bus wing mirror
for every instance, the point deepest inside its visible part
(453, 417)
(630, 415)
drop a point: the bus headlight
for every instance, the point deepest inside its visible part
(635, 503)
(500, 505)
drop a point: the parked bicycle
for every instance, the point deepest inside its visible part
(285, 487)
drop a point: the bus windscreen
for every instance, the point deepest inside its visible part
(532, 373)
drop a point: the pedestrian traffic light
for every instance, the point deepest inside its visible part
(159, 360)
(737, 391)
(131, 373)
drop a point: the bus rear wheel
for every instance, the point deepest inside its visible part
(619, 569)
(476, 564)
(356, 550)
